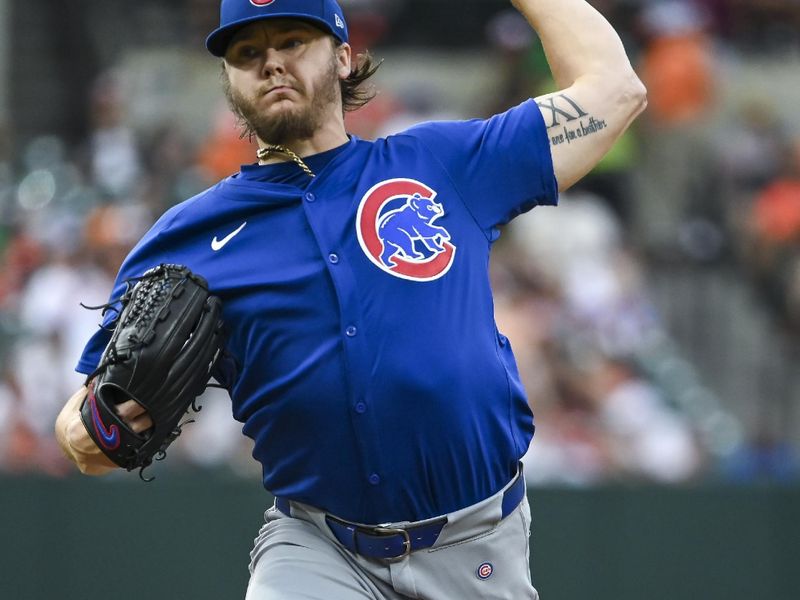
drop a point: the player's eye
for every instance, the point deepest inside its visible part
(291, 43)
(242, 52)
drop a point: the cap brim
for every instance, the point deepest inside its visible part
(219, 39)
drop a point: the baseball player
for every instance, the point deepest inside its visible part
(362, 355)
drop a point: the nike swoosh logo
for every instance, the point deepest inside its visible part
(109, 437)
(217, 245)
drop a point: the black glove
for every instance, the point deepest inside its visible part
(165, 343)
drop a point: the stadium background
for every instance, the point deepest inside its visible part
(655, 314)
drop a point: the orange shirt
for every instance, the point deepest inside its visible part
(678, 74)
(777, 211)
(224, 151)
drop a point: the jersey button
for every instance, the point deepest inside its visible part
(374, 479)
(310, 197)
(361, 408)
(334, 258)
(351, 331)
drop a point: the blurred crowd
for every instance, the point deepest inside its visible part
(614, 397)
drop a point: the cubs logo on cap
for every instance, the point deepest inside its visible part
(235, 14)
(398, 230)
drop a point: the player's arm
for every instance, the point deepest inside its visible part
(600, 95)
(78, 446)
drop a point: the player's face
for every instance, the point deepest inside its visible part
(283, 78)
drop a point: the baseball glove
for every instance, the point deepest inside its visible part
(165, 343)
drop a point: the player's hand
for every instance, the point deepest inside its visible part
(75, 442)
(135, 416)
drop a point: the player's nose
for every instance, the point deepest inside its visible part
(273, 63)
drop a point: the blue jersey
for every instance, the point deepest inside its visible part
(362, 354)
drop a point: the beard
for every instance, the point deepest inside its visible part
(291, 124)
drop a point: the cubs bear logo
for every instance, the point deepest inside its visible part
(396, 230)
(261, 2)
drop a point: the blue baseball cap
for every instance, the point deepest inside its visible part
(235, 14)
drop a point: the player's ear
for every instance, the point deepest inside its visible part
(344, 60)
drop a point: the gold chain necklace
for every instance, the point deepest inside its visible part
(265, 153)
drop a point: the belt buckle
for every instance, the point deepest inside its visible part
(387, 531)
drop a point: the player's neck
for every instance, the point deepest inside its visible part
(326, 138)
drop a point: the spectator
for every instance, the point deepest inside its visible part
(115, 164)
(53, 325)
(774, 239)
(676, 175)
(224, 150)
(763, 459)
(646, 439)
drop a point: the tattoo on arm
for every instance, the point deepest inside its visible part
(556, 105)
(562, 106)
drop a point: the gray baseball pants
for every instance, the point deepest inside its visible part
(477, 556)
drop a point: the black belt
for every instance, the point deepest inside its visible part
(392, 543)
